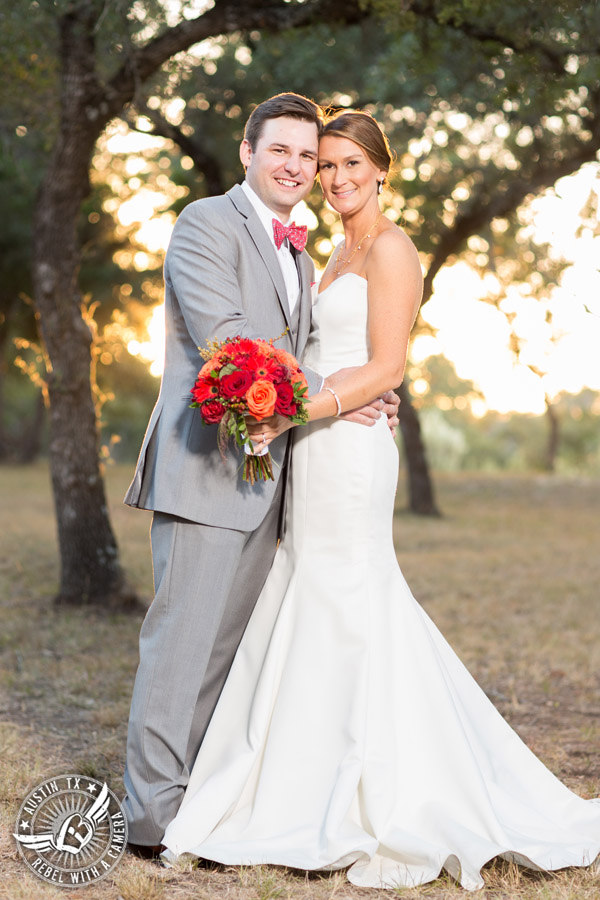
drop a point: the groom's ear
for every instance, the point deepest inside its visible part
(245, 153)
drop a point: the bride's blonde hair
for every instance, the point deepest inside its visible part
(364, 130)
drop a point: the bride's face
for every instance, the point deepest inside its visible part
(348, 177)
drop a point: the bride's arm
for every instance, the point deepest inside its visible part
(395, 286)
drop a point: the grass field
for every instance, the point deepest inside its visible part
(510, 574)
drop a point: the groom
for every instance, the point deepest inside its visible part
(213, 535)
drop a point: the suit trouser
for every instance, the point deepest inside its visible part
(207, 581)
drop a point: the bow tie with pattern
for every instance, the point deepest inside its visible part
(296, 234)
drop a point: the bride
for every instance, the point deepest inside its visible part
(348, 733)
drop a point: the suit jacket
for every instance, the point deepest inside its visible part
(222, 278)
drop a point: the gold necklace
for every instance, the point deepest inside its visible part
(341, 262)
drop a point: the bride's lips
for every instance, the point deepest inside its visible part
(342, 194)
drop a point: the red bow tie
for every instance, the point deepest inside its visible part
(296, 234)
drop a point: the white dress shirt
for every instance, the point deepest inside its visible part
(284, 254)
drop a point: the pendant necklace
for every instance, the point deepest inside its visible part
(341, 262)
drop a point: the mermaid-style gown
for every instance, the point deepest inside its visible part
(348, 733)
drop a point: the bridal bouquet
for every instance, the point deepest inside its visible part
(248, 377)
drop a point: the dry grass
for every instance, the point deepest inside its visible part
(510, 575)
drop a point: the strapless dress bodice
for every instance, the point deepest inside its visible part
(339, 335)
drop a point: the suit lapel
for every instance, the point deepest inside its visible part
(305, 269)
(264, 246)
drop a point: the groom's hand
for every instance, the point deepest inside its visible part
(386, 405)
(391, 402)
(365, 415)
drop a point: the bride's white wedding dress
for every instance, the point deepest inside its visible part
(348, 733)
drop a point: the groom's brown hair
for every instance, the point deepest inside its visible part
(294, 106)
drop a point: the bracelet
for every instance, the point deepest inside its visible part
(337, 400)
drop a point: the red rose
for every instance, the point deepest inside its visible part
(236, 384)
(278, 372)
(285, 399)
(203, 390)
(212, 411)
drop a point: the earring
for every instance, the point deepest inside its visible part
(380, 186)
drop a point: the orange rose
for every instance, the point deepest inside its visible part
(286, 358)
(207, 368)
(299, 378)
(261, 399)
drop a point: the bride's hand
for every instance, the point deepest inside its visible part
(263, 432)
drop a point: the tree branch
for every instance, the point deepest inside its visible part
(553, 58)
(225, 17)
(503, 201)
(193, 147)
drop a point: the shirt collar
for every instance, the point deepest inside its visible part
(263, 212)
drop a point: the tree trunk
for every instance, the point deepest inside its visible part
(420, 486)
(30, 440)
(90, 568)
(553, 436)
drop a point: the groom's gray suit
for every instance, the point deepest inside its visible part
(213, 535)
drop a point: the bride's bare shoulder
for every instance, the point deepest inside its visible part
(393, 236)
(393, 247)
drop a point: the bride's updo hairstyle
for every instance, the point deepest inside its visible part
(363, 129)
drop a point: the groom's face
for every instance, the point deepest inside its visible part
(282, 167)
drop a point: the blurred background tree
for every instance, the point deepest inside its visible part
(487, 104)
